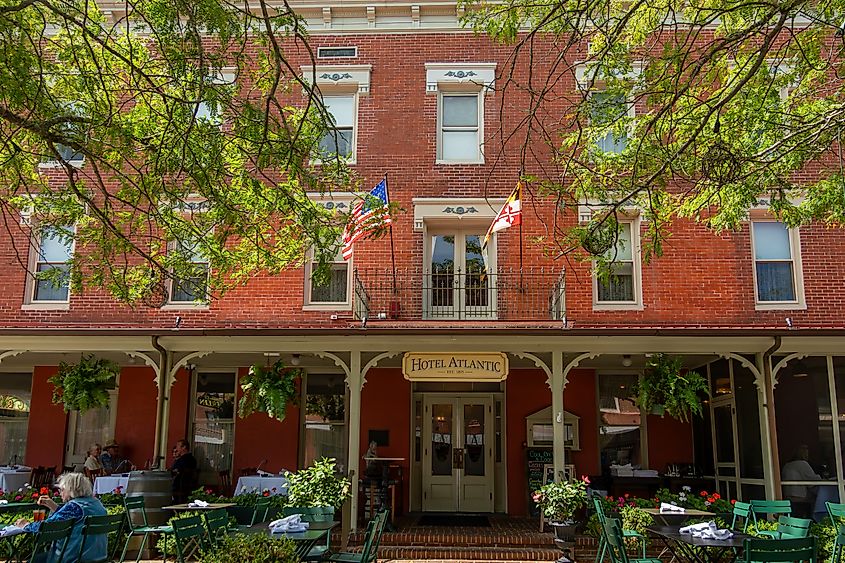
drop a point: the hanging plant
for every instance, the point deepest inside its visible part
(599, 236)
(84, 385)
(664, 388)
(269, 390)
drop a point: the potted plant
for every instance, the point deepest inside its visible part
(269, 390)
(84, 385)
(558, 502)
(663, 388)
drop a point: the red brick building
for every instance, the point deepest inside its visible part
(419, 100)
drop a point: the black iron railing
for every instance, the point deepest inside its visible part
(500, 295)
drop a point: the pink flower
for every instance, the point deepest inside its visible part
(585, 479)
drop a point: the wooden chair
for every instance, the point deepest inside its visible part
(247, 471)
(767, 509)
(41, 476)
(225, 480)
(101, 526)
(144, 530)
(603, 546)
(616, 543)
(780, 551)
(93, 473)
(48, 537)
(68, 469)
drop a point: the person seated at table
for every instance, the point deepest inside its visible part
(92, 462)
(110, 459)
(799, 469)
(184, 470)
(79, 502)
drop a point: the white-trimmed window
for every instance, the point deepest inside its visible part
(607, 110)
(53, 249)
(334, 293)
(193, 288)
(340, 138)
(460, 131)
(777, 268)
(622, 289)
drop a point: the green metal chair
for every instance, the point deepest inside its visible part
(838, 545)
(836, 511)
(262, 508)
(216, 525)
(790, 527)
(102, 526)
(627, 534)
(767, 509)
(758, 550)
(49, 533)
(616, 543)
(741, 511)
(314, 514)
(372, 539)
(190, 534)
(144, 530)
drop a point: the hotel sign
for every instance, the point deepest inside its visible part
(461, 366)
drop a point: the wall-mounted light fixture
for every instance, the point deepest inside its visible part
(626, 360)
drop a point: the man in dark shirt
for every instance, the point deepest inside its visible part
(184, 471)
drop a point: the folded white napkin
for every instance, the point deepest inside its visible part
(265, 473)
(292, 523)
(706, 531)
(10, 531)
(4, 501)
(666, 507)
(198, 504)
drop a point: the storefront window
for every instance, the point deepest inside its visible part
(747, 423)
(805, 431)
(325, 418)
(214, 424)
(619, 430)
(15, 396)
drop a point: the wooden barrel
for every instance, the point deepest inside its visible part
(156, 488)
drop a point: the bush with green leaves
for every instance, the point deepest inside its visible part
(84, 385)
(559, 501)
(318, 485)
(637, 519)
(251, 548)
(664, 386)
(269, 390)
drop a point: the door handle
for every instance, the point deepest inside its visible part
(458, 458)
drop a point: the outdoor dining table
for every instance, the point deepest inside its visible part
(304, 541)
(109, 483)
(677, 518)
(274, 484)
(12, 480)
(699, 550)
(190, 506)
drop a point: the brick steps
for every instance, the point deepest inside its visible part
(475, 553)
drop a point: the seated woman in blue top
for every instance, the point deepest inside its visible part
(79, 502)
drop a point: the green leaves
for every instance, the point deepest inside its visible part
(269, 390)
(84, 385)
(559, 501)
(663, 385)
(318, 485)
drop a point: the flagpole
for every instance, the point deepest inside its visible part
(392, 247)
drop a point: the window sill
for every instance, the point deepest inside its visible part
(327, 307)
(440, 162)
(46, 306)
(346, 161)
(57, 164)
(622, 306)
(780, 306)
(179, 306)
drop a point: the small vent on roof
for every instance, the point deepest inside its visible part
(337, 52)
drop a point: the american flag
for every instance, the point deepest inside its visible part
(367, 216)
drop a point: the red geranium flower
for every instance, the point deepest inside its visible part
(710, 500)
(703, 493)
(717, 496)
(733, 501)
(34, 495)
(18, 497)
(627, 495)
(44, 491)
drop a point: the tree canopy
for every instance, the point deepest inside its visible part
(697, 109)
(182, 113)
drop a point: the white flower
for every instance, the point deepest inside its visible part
(686, 488)
(706, 503)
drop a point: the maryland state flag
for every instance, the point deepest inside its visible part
(509, 215)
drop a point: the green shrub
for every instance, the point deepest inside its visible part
(634, 518)
(825, 533)
(318, 485)
(251, 548)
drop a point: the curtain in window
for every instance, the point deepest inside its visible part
(775, 281)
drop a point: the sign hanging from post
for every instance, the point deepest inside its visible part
(460, 366)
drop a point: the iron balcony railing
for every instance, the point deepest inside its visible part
(535, 294)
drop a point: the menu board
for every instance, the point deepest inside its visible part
(536, 459)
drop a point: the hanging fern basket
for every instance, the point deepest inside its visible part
(269, 389)
(84, 385)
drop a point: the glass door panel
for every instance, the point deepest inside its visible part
(441, 439)
(474, 443)
(723, 422)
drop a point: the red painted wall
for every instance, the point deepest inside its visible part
(580, 399)
(136, 414)
(45, 439)
(669, 441)
(259, 437)
(178, 421)
(386, 405)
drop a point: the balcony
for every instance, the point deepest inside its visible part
(531, 295)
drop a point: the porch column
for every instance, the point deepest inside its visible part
(558, 382)
(766, 409)
(355, 382)
(163, 382)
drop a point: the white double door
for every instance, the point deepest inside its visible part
(457, 461)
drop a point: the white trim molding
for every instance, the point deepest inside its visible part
(348, 78)
(454, 209)
(459, 77)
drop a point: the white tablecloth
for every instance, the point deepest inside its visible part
(258, 484)
(108, 483)
(13, 480)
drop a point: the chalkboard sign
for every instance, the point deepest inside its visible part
(536, 459)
